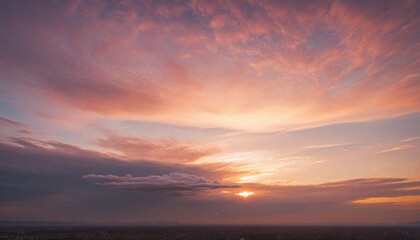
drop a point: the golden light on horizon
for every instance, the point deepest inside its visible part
(401, 200)
(245, 194)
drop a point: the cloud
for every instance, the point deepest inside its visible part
(168, 150)
(11, 123)
(410, 139)
(397, 148)
(9, 208)
(169, 182)
(16, 126)
(50, 156)
(406, 201)
(339, 192)
(328, 146)
(31, 169)
(46, 177)
(247, 65)
(122, 60)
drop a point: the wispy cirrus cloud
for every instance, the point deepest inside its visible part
(149, 61)
(328, 146)
(397, 148)
(168, 150)
(410, 139)
(14, 125)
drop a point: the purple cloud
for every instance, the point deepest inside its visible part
(14, 125)
(170, 182)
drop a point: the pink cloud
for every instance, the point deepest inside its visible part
(16, 126)
(168, 150)
(278, 65)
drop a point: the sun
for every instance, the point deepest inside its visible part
(245, 194)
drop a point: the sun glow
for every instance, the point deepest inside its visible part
(245, 194)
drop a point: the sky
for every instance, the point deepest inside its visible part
(220, 112)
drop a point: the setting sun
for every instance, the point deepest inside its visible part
(245, 194)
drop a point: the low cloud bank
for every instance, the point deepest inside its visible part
(169, 182)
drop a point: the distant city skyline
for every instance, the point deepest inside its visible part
(210, 112)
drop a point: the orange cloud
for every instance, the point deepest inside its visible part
(397, 148)
(403, 200)
(351, 190)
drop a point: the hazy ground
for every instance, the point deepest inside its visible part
(214, 232)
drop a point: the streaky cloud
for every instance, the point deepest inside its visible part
(170, 182)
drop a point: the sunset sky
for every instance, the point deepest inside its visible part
(210, 111)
